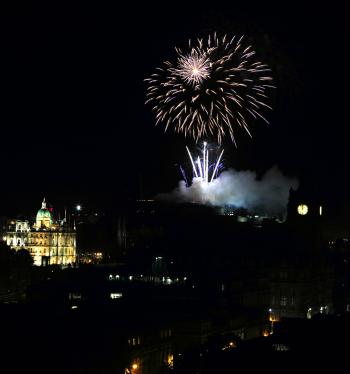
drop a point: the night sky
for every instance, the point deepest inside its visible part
(74, 126)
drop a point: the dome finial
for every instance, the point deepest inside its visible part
(43, 204)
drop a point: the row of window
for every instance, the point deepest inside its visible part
(284, 300)
(134, 341)
(38, 242)
(40, 236)
(52, 253)
(137, 341)
(165, 334)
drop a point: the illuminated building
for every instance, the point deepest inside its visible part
(48, 241)
(94, 257)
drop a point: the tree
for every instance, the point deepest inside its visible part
(7, 256)
(14, 269)
(23, 258)
(7, 259)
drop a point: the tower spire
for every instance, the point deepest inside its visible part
(43, 204)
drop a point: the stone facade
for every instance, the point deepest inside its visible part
(48, 241)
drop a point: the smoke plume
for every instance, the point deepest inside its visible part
(267, 195)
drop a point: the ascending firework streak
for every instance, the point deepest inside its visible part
(201, 170)
(211, 89)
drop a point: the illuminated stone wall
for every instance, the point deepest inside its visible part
(48, 242)
(46, 247)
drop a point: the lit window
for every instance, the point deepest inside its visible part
(280, 347)
(283, 300)
(283, 275)
(309, 313)
(170, 360)
(115, 295)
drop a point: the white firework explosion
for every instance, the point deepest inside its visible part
(209, 91)
(193, 68)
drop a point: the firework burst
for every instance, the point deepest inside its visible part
(202, 167)
(205, 174)
(211, 89)
(192, 68)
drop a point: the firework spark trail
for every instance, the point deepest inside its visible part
(193, 165)
(203, 165)
(184, 176)
(210, 90)
(216, 166)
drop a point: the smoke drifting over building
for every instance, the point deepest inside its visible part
(267, 195)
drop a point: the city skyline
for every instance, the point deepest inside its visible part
(127, 249)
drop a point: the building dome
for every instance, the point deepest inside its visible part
(43, 217)
(43, 214)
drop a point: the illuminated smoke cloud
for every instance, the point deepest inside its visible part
(267, 196)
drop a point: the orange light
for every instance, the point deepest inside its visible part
(135, 366)
(170, 360)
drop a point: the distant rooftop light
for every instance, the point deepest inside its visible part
(78, 207)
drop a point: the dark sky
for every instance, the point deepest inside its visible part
(74, 126)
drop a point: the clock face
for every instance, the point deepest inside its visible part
(303, 209)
